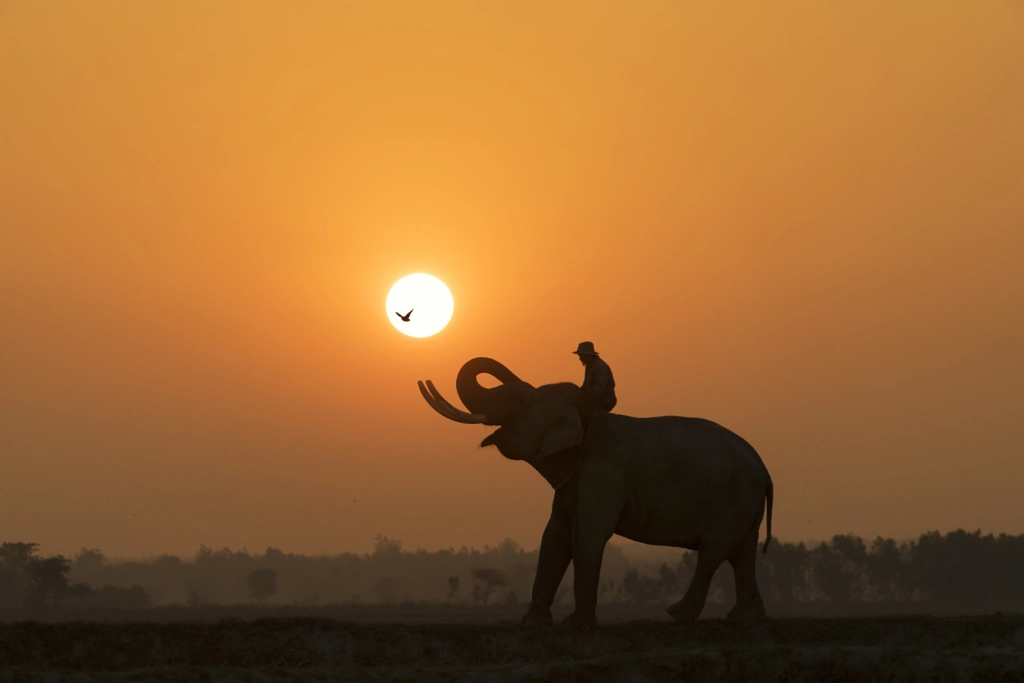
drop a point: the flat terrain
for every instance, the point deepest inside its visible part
(983, 648)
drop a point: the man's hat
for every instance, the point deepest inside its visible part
(585, 349)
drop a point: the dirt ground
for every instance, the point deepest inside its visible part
(976, 648)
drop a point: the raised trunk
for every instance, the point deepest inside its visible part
(480, 399)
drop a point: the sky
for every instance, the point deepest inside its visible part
(801, 220)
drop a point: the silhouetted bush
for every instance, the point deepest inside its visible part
(486, 580)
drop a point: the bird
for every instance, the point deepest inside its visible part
(405, 318)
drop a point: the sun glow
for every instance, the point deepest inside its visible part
(424, 300)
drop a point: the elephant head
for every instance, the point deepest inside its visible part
(533, 422)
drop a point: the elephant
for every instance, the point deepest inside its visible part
(672, 481)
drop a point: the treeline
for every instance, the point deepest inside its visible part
(955, 567)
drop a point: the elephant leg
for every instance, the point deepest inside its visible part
(555, 555)
(749, 604)
(592, 528)
(690, 607)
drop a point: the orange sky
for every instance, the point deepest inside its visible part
(803, 221)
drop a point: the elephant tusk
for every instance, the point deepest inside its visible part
(442, 407)
(446, 405)
(460, 415)
(435, 404)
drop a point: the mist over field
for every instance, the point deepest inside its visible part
(956, 573)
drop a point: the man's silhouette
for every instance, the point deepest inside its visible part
(598, 390)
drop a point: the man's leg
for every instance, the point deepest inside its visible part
(586, 408)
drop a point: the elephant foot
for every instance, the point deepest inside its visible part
(533, 618)
(682, 611)
(580, 622)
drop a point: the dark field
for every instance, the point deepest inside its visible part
(983, 648)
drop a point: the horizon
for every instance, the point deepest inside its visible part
(628, 546)
(802, 222)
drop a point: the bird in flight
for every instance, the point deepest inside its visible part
(405, 318)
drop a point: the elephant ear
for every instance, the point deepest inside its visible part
(564, 431)
(547, 424)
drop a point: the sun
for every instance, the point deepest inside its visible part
(427, 298)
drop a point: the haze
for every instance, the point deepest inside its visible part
(802, 221)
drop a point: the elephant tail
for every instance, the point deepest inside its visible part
(768, 494)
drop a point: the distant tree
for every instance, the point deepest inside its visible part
(14, 579)
(839, 567)
(387, 590)
(509, 546)
(486, 581)
(854, 558)
(273, 555)
(89, 558)
(669, 581)
(386, 547)
(453, 587)
(642, 590)
(194, 599)
(48, 582)
(17, 555)
(782, 573)
(887, 570)
(966, 565)
(262, 583)
(88, 566)
(204, 554)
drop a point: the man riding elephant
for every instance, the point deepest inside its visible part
(598, 390)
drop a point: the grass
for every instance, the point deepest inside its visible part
(310, 649)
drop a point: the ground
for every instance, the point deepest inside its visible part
(983, 648)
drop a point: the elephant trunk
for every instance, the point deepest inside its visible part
(479, 399)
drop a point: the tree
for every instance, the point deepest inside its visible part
(386, 589)
(784, 571)
(262, 583)
(486, 581)
(669, 580)
(17, 555)
(48, 582)
(643, 590)
(839, 567)
(386, 547)
(640, 589)
(886, 568)
(88, 560)
(14, 581)
(453, 587)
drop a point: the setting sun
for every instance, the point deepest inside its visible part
(419, 305)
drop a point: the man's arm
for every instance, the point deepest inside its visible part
(599, 378)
